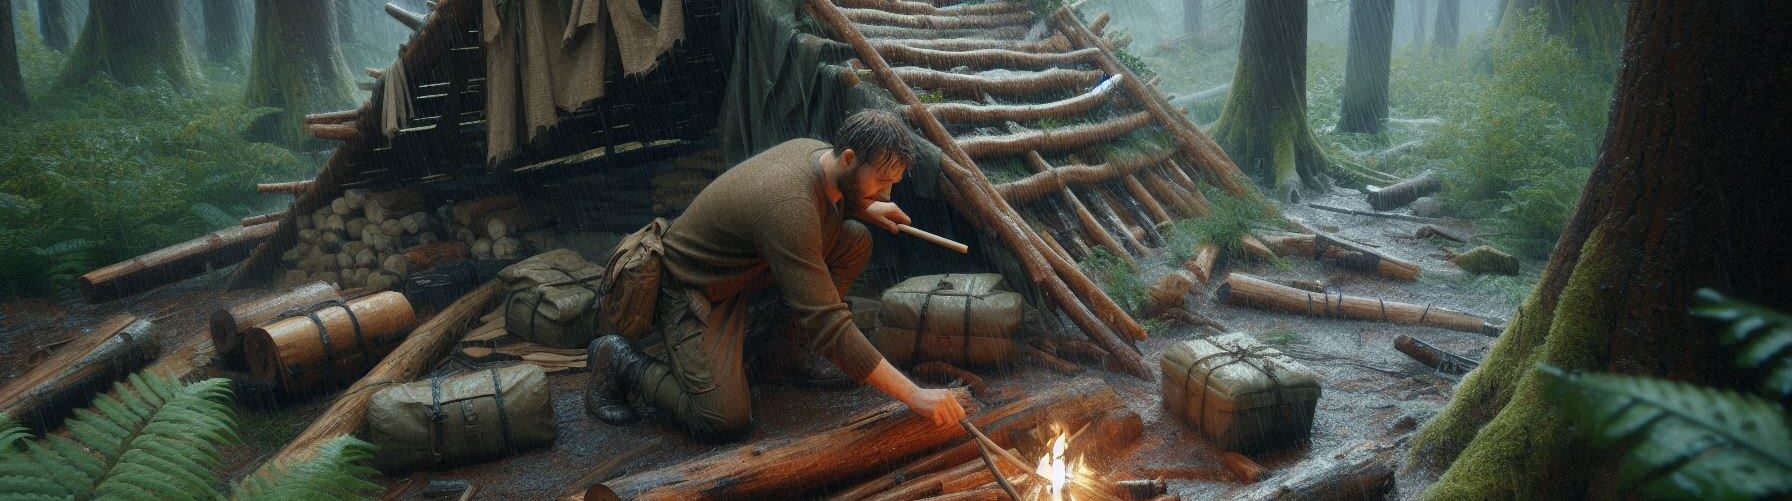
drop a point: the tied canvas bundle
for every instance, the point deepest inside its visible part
(1242, 394)
(962, 319)
(553, 299)
(446, 421)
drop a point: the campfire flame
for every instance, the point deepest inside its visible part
(1058, 469)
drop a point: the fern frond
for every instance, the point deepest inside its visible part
(1686, 441)
(11, 434)
(188, 427)
(1761, 336)
(337, 472)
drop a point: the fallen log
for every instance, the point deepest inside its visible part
(1358, 473)
(74, 373)
(1061, 139)
(936, 22)
(334, 117)
(1344, 254)
(229, 324)
(412, 358)
(1017, 84)
(873, 440)
(330, 344)
(172, 263)
(1167, 292)
(409, 19)
(1207, 254)
(1404, 192)
(1245, 290)
(1434, 357)
(1431, 230)
(1256, 247)
(983, 59)
(1100, 318)
(1010, 426)
(293, 187)
(1355, 212)
(264, 218)
(603, 470)
(1241, 467)
(334, 132)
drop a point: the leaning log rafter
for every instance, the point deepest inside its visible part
(912, 7)
(1049, 179)
(1061, 139)
(973, 113)
(1011, 84)
(984, 58)
(937, 22)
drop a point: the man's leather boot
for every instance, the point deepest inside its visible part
(615, 369)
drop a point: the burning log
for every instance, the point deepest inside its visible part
(172, 263)
(1245, 290)
(1201, 265)
(961, 478)
(228, 324)
(1061, 281)
(1405, 192)
(1020, 84)
(1434, 357)
(1067, 138)
(329, 344)
(42, 396)
(936, 22)
(873, 440)
(419, 351)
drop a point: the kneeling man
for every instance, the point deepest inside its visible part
(784, 218)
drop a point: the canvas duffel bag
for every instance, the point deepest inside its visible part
(962, 319)
(1243, 395)
(553, 299)
(448, 421)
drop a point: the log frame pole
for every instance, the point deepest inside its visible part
(975, 189)
(1197, 148)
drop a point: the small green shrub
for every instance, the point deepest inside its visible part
(1119, 280)
(1232, 217)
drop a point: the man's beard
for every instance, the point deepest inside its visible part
(852, 199)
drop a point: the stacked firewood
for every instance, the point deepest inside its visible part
(491, 226)
(359, 239)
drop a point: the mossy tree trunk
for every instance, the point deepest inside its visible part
(52, 22)
(135, 42)
(1264, 125)
(12, 85)
(223, 31)
(1449, 24)
(1191, 16)
(296, 66)
(1594, 27)
(1365, 106)
(1676, 202)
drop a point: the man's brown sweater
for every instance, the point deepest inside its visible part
(771, 212)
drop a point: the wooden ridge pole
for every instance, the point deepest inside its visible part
(979, 195)
(1197, 148)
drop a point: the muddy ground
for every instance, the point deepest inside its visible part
(1368, 386)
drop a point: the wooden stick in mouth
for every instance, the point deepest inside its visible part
(934, 239)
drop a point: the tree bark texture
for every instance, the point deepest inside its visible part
(1449, 22)
(135, 42)
(296, 66)
(223, 31)
(1594, 27)
(1365, 106)
(12, 85)
(1264, 125)
(52, 23)
(1676, 201)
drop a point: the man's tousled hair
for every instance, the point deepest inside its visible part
(876, 136)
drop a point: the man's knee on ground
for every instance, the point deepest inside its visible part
(721, 422)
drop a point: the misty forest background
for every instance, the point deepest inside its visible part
(93, 171)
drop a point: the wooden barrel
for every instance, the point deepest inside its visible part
(299, 357)
(228, 324)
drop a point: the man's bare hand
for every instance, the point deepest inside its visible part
(884, 215)
(938, 405)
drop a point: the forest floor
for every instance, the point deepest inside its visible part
(1368, 386)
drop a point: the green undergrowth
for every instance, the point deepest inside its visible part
(1119, 280)
(97, 174)
(1232, 217)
